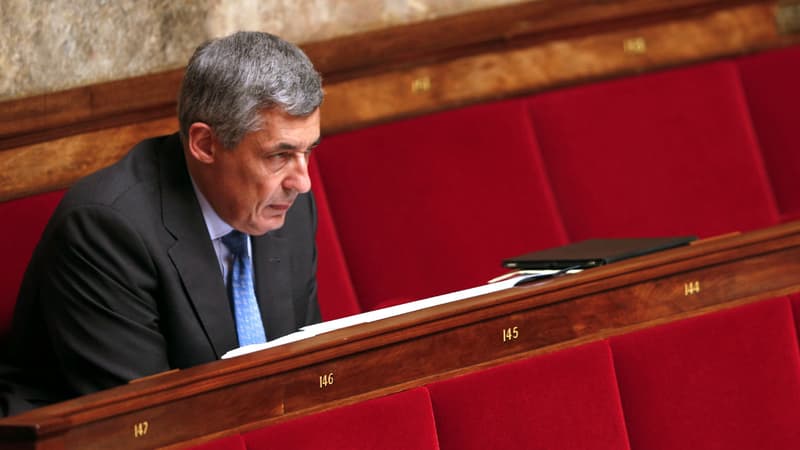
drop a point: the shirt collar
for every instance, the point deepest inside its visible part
(216, 226)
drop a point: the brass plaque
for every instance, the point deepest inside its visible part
(421, 85)
(635, 46)
(787, 17)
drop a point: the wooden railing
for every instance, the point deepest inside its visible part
(49, 141)
(373, 359)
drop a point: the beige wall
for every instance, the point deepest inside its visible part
(51, 45)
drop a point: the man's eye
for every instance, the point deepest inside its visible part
(278, 156)
(278, 160)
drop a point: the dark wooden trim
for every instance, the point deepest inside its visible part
(51, 116)
(104, 105)
(48, 142)
(493, 29)
(57, 163)
(531, 68)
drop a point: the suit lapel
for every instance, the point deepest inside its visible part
(272, 264)
(192, 253)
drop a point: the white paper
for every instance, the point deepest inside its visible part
(294, 337)
(384, 313)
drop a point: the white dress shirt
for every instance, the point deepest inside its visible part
(217, 228)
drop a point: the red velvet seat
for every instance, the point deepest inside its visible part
(567, 400)
(335, 292)
(668, 153)
(433, 204)
(401, 421)
(795, 298)
(729, 380)
(771, 82)
(23, 221)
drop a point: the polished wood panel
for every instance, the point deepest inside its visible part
(56, 164)
(560, 62)
(121, 102)
(103, 105)
(389, 355)
(494, 29)
(48, 142)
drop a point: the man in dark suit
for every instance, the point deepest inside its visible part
(135, 273)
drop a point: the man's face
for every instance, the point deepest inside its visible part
(256, 182)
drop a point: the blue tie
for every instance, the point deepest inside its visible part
(249, 327)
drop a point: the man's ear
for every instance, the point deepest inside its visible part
(202, 144)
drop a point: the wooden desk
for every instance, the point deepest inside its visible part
(378, 358)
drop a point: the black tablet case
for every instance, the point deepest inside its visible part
(593, 252)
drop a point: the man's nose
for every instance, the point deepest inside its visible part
(297, 179)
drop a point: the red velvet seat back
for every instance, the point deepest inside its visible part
(335, 292)
(729, 380)
(400, 421)
(23, 221)
(795, 299)
(771, 83)
(566, 400)
(432, 205)
(669, 153)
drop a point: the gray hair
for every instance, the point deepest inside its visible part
(230, 80)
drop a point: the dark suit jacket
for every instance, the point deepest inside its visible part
(125, 282)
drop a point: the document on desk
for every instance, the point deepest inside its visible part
(294, 337)
(384, 313)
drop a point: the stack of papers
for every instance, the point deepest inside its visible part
(505, 282)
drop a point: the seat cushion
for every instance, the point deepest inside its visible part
(770, 80)
(400, 421)
(335, 292)
(433, 204)
(566, 400)
(23, 221)
(670, 153)
(728, 380)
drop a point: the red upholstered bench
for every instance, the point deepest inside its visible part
(335, 292)
(667, 153)
(401, 421)
(726, 380)
(432, 205)
(564, 400)
(795, 298)
(729, 380)
(771, 82)
(23, 221)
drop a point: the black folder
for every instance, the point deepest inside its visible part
(593, 252)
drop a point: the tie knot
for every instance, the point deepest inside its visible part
(235, 241)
